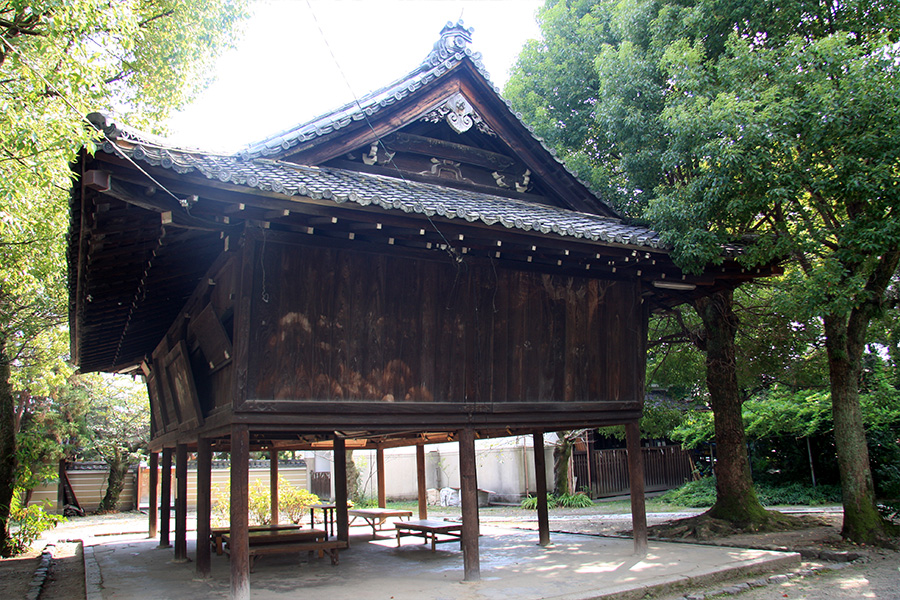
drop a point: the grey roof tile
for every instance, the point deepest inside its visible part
(389, 193)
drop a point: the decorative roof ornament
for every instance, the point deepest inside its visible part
(455, 39)
(459, 114)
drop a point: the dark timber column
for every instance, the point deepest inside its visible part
(340, 490)
(181, 458)
(379, 467)
(165, 500)
(540, 481)
(420, 480)
(152, 492)
(273, 485)
(240, 512)
(469, 496)
(636, 484)
(204, 505)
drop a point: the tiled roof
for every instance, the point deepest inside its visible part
(448, 52)
(366, 189)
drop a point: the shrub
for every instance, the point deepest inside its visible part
(260, 502)
(700, 493)
(221, 508)
(293, 502)
(530, 502)
(576, 500)
(26, 524)
(797, 493)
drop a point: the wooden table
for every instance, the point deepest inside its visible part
(430, 530)
(217, 534)
(377, 516)
(269, 541)
(327, 516)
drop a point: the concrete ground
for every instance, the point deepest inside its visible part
(575, 567)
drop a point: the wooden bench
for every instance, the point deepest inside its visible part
(216, 533)
(329, 547)
(377, 516)
(429, 530)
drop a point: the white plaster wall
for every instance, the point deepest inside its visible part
(505, 467)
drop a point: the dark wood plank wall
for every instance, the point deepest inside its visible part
(328, 324)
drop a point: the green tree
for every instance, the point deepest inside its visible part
(611, 132)
(58, 61)
(796, 140)
(118, 428)
(727, 119)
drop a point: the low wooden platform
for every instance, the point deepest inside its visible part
(430, 530)
(289, 542)
(377, 516)
(217, 533)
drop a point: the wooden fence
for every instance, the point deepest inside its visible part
(665, 467)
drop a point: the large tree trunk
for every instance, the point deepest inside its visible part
(7, 450)
(562, 456)
(352, 479)
(844, 343)
(736, 499)
(118, 469)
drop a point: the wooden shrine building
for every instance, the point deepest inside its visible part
(413, 267)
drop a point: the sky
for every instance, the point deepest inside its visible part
(299, 59)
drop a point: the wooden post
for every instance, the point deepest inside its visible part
(273, 485)
(636, 485)
(204, 506)
(181, 457)
(540, 480)
(340, 490)
(469, 497)
(379, 467)
(240, 512)
(137, 488)
(153, 509)
(420, 480)
(165, 498)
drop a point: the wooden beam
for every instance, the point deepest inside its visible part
(379, 467)
(273, 486)
(240, 512)
(636, 485)
(469, 496)
(165, 501)
(540, 482)
(340, 490)
(152, 492)
(181, 487)
(420, 480)
(204, 506)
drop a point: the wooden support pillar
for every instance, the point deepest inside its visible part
(636, 485)
(273, 485)
(469, 497)
(204, 506)
(379, 467)
(340, 490)
(137, 488)
(420, 480)
(540, 480)
(165, 498)
(181, 458)
(153, 508)
(240, 512)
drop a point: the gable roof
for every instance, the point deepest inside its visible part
(450, 73)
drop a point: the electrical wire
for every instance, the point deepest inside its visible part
(450, 249)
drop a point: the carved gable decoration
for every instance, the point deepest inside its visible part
(459, 114)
